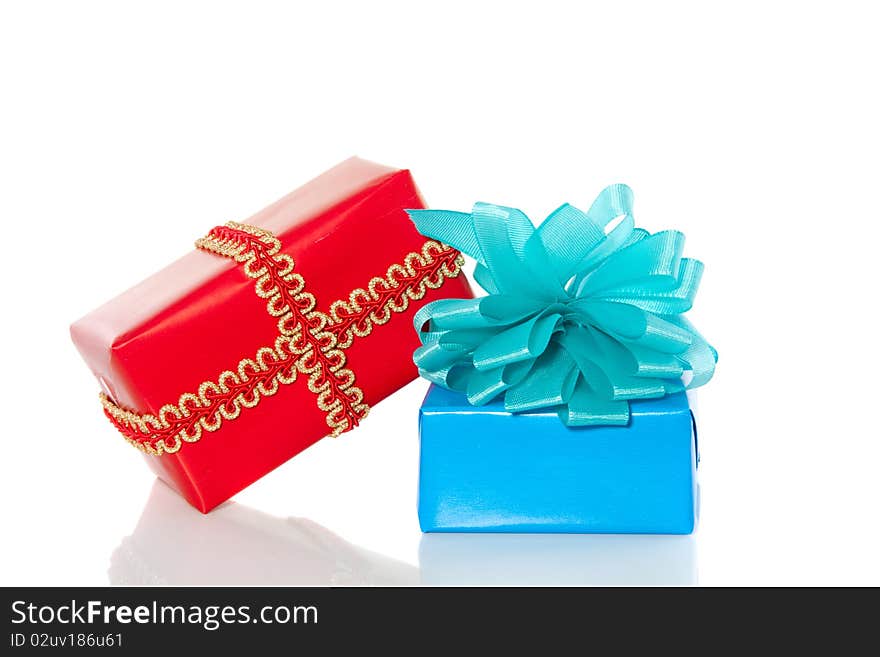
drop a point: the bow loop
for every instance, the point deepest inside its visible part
(580, 318)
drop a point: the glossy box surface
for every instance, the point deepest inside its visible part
(483, 469)
(200, 316)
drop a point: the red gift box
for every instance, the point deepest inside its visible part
(273, 333)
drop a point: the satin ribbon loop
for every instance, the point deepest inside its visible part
(582, 315)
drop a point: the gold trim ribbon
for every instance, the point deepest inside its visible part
(310, 342)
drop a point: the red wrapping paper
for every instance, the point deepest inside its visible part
(200, 316)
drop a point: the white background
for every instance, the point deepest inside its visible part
(127, 130)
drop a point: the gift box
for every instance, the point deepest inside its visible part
(560, 398)
(488, 470)
(272, 333)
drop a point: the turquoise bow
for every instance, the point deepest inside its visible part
(579, 317)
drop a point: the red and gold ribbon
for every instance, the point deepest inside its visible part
(310, 342)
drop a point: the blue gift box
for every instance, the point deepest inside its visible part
(483, 469)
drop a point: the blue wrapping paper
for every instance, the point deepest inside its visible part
(485, 469)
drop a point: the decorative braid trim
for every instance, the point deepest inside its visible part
(310, 342)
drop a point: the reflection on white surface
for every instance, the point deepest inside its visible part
(557, 560)
(175, 544)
